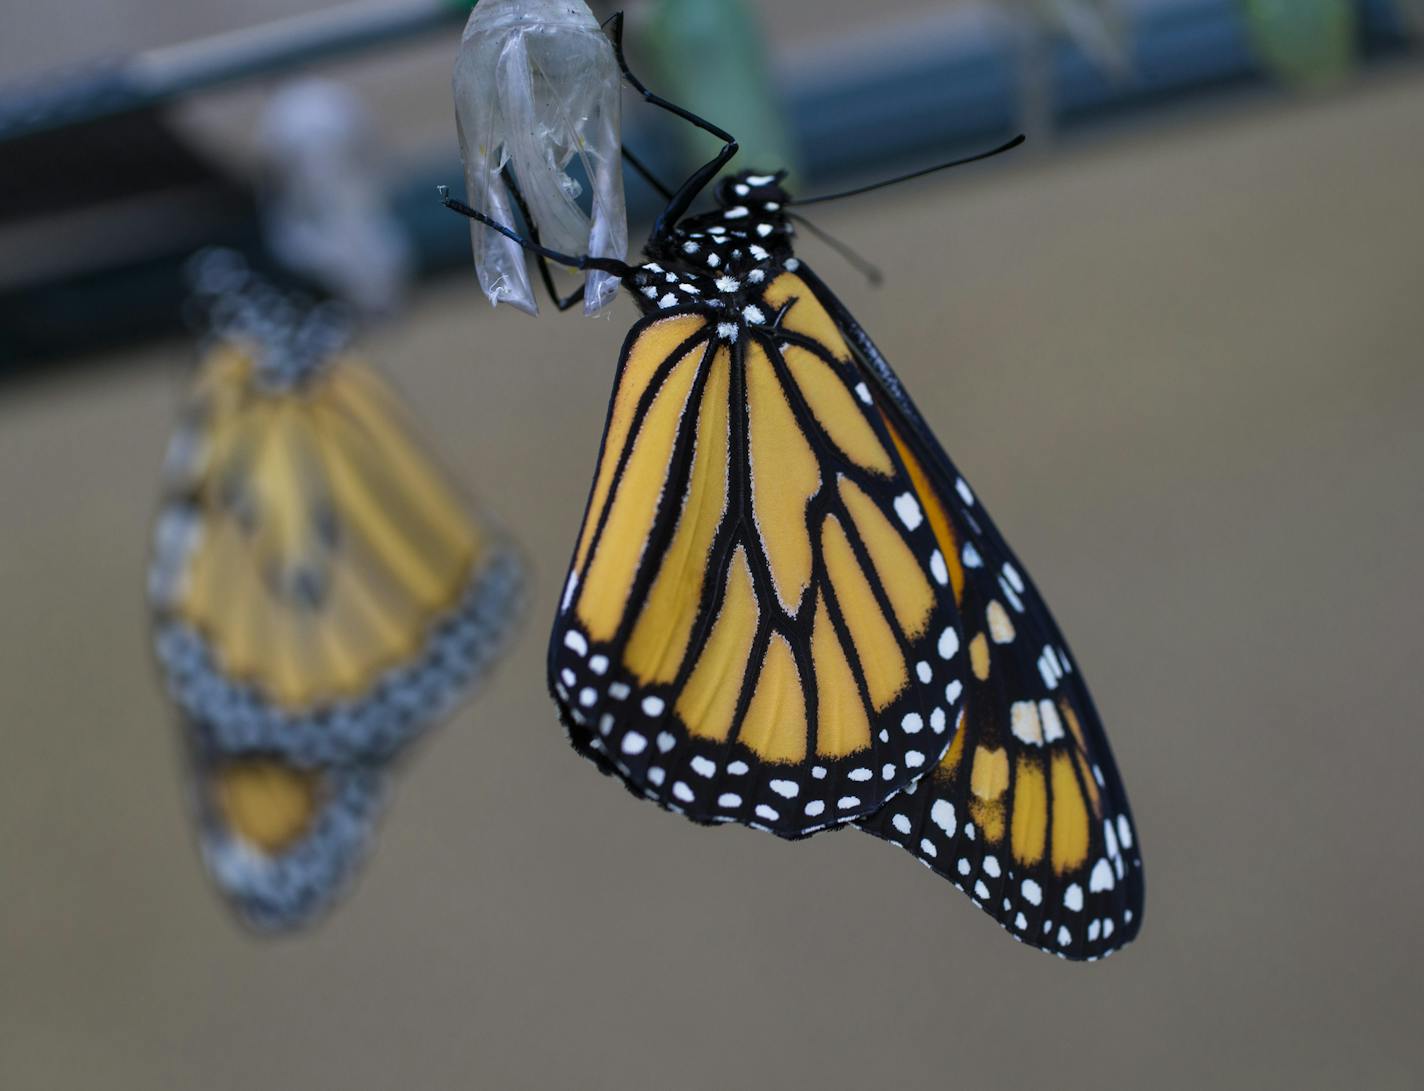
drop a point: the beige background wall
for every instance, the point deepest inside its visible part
(1181, 366)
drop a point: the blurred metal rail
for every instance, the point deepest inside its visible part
(155, 77)
(908, 94)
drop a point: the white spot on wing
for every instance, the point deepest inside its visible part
(1102, 877)
(942, 815)
(948, 643)
(908, 509)
(634, 743)
(1024, 723)
(938, 569)
(1052, 725)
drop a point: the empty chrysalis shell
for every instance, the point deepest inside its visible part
(536, 87)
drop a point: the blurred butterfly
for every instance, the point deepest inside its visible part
(787, 608)
(320, 594)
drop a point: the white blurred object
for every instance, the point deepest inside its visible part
(325, 216)
(1097, 27)
(536, 84)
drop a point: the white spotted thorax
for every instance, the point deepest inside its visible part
(724, 260)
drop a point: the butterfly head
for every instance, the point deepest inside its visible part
(748, 238)
(757, 191)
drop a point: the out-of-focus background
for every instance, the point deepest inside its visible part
(1177, 351)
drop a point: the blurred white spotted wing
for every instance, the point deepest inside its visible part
(320, 593)
(1026, 812)
(757, 622)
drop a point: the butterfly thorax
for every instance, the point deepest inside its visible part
(721, 259)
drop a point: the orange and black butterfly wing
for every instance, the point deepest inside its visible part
(756, 625)
(319, 587)
(1026, 812)
(320, 594)
(281, 841)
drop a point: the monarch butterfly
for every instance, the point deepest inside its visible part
(787, 608)
(319, 595)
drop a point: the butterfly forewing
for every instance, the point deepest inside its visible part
(319, 588)
(1025, 812)
(757, 621)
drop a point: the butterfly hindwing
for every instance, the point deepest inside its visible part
(1026, 812)
(756, 621)
(281, 842)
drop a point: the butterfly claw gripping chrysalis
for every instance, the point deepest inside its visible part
(320, 594)
(787, 608)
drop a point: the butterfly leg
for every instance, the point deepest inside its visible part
(573, 261)
(680, 201)
(561, 303)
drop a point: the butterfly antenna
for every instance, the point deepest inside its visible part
(866, 269)
(1009, 146)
